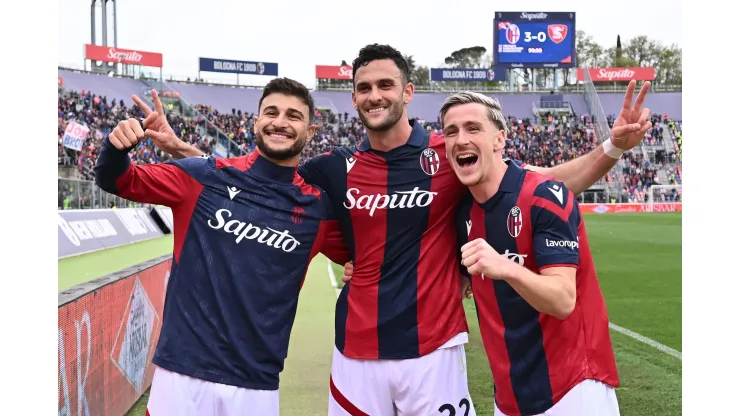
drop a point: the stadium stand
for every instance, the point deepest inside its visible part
(222, 116)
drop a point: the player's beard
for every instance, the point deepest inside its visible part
(279, 154)
(395, 112)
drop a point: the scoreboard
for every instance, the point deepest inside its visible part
(534, 40)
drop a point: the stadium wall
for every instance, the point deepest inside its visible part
(108, 329)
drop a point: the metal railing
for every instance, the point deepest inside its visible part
(82, 194)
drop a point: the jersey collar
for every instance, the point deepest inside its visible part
(418, 133)
(269, 171)
(510, 183)
(512, 177)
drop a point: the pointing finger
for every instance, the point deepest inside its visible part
(629, 95)
(641, 96)
(145, 108)
(157, 103)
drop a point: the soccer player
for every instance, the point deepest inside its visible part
(400, 321)
(246, 229)
(542, 316)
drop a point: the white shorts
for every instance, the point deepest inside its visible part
(435, 384)
(587, 398)
(174, 394)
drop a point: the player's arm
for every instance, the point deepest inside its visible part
(627, 132)
(555, 222)
(581, 173)
(332, 242)
(163, 184)
(182, 150)
(314, 171)
(552, 290)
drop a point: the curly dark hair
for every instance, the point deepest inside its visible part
(376, 52)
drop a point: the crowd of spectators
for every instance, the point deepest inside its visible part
(545, 142)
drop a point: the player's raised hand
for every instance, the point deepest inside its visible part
(480, 258)
(633, 121)
(158, 129)
(129, 132)
(349, 268)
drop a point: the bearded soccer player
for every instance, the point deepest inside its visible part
(542, 316)
(400, 321)
(246, 229)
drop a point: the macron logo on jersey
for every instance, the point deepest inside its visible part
(232, 192)
(242, 230)
(399, 199)
(469, 225)
(558, 192)
(350, 163)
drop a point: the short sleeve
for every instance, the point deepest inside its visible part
(556, 223)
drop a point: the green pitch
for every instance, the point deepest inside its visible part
(638, 258)
(81, 269)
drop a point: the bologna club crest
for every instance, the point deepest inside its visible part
(512, 34)
(429, 161)
(514, 222)
(297, 215)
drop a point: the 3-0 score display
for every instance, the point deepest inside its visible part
(534, 39)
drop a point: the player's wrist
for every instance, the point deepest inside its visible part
(611, 150)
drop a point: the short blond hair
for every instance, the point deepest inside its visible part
(469, 97)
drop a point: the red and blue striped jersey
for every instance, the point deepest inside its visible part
(397, 214)
(536, 358)
(245, 231)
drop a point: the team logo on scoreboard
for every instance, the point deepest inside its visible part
(491, 75)
(429, 161)
(512, 34)
(260, 68)
(514, 222)
(557, 32)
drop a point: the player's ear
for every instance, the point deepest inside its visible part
(311, 131)
(354, 99)
(499, 141)
(408, 93)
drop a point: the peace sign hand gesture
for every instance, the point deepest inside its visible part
(630, 127)
(158, 129)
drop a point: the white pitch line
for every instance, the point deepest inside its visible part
(655, 344)
(333, 277)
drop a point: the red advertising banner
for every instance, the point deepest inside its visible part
(333, 72)
(618, 74)
(124, 56)
(106, 343)
(631, 207)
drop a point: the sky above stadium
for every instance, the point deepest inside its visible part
(299, 35)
